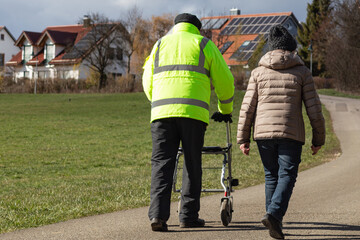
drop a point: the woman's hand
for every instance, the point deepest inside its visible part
(245, 148)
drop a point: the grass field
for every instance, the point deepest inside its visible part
(68, 156)
(335, 93)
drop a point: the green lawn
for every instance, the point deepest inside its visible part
(68, 156)
(335, 93)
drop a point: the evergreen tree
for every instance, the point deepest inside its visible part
(317, 13)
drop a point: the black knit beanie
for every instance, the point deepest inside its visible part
(189, 18)
(280, 38)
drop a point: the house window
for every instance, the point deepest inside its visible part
(2, 37)
(50, 52)
(242, 51)
(2, 59)
(26, 74)
(27, 53)
(119, 53)
(226, 46)
(111, 53)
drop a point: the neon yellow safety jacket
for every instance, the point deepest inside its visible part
(177, 74)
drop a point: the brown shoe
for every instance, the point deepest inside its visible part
(193, 224)
(159, 225)
(273, 225)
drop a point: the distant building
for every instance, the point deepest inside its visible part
(237, 36)
(7, 46)
(54, 53)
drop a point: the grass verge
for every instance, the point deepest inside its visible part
(67, 156)
(335, 93)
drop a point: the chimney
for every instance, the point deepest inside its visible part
(86, 21)
(234, 11)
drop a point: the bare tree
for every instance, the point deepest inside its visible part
(342, 45)
(102, 46)
(134, 25)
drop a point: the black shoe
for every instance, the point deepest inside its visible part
(274, 226)
(159, 225)
(193, 224)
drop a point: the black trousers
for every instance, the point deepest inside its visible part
(166, 136)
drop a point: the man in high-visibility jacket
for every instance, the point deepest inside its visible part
(176, 80)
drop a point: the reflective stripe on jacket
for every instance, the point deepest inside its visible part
(177, 76)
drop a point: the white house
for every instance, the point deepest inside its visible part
(54, 53)
(7, 46)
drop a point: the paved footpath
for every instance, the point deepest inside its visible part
(325, 204)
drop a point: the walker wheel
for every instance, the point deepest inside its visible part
(226, 211)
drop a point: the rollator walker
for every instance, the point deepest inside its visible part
(227, 182)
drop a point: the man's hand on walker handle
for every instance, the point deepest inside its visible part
(245, 148)
(219, 117)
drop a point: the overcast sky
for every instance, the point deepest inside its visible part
(36, 15)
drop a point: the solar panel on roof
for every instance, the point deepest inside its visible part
(204, 22)
(220, 23)
(211, 23)
(247, 56)
(261, 28)
(253, 47)
(232, 21)
(231, 30)
(274, 19)
(248, 30)
(256, 20)
(257, 38)
(243, 29)
(250, 20)
(261, 20)
(266, 29)
(281, 19)
(254, 30)
(249, 46)
(223, 32)
(244, 21)
(268, 19)
(238, 20)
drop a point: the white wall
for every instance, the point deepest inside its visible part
(7, 46)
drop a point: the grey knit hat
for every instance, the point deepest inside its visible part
(280, 38)
(189, 18)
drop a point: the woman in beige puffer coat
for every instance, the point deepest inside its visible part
(273, 106)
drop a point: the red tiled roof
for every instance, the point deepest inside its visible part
(79, 29)
(62, 35)
(15, 60)
(59, 59)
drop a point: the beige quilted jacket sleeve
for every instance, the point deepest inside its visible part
(313, 109)
(247, 112)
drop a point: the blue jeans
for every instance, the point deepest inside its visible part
(281, 159)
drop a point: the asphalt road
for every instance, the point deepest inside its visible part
(325, 204)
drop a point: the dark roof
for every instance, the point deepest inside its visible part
(58, 37)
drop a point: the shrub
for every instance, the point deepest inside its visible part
(24, 85)
(321, 83)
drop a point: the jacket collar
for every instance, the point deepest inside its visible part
(280, 59)
(186, 27)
